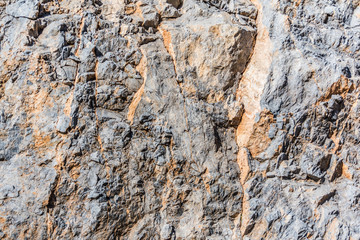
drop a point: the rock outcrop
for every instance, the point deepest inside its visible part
(179, 119)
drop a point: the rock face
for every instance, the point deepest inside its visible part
(179, 119)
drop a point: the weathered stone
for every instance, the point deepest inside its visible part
(24, 8)
(175, 3)
(179, 119)
(150, 16)
(63, 124)
(169, 11)
(8, 191)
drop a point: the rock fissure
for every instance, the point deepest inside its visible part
(249, 93)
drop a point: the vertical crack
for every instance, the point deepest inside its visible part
(249, 92)
(142, 69)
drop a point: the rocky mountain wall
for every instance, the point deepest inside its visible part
(179, 119)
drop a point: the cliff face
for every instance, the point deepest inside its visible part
(179, 119)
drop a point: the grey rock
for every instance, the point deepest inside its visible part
(166, 231)
(151, 17)
(24, 8)
(169, 11)
(96, 157)
(169, 119)
(175, 3)
(63, 124)
(8, 191)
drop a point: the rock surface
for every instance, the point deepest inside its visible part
(179, 119)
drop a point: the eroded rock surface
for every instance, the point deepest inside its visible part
(301, 160)
(179, 119)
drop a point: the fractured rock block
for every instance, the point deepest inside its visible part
(63, 124)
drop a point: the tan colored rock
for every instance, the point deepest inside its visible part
(206, 52)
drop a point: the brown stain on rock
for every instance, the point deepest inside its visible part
(346, 173)
(259, 140)
(41, 140)
(243, 162)
(167, 41)
(341, 87)
(142, 69)
(251, 134)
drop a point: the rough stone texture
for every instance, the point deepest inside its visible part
(179, 119)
